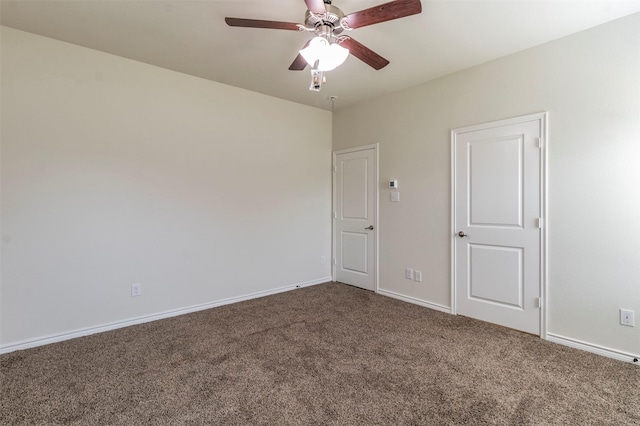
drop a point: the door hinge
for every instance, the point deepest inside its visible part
(538, 303)
(539, 142)
(335, 169)
(334, 215)
(539, 223)
(334, 261)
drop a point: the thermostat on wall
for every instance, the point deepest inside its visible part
(393, 184)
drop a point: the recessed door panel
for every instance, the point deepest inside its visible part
(354, 252)
(495, 181)
(354, 189)
(495, 275)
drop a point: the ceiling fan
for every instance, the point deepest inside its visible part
(329, 48)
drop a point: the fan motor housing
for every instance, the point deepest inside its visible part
(332, 18)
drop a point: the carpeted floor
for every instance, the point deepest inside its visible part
(328, 354)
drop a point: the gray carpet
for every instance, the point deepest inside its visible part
(328, 354)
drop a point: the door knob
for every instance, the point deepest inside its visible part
(461, 234)
(370, 227)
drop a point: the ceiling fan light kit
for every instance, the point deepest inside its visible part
(329, 49)
(323, 55)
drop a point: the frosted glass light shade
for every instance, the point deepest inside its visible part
(329, 56)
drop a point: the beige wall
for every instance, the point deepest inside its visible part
(590, 84)
(116, 172)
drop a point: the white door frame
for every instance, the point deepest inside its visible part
(334, 166)
(543, 117)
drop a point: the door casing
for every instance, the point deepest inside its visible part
(375, 148)
(543, 118)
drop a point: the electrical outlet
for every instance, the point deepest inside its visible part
(408, 273)
(323, 260)
(136, 289)
(626, 317)
(418, 276)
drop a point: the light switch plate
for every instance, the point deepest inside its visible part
(395, 196)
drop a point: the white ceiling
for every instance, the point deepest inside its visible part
(192, 37)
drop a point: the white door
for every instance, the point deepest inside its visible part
(497, 219)
(355, 203)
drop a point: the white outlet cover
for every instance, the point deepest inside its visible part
(626, 317)
(418, 276)
(408, 273)
(136, 289)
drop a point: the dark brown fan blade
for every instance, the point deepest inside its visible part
(299, 63)
(384, 12)
(257, 23)
(316, 6)
(363, 53)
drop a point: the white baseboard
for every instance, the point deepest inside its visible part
(596, 349)
(415, 301)
(26, 344)
(555, 338)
